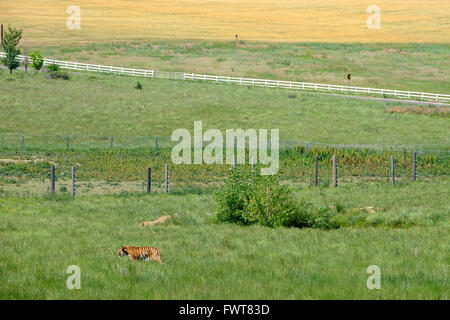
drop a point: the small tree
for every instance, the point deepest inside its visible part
(37, 60)
(10, 42)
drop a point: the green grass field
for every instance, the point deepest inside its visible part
(41, 237)
(413, 67)
(401, 228)
(108, 105)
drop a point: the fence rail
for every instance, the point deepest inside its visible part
(15, 141)
(293, 85)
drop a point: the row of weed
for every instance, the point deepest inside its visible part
(296, 164)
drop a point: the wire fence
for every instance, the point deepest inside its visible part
(109, 174)
(110, 165)
(9, 141)
(292, 85)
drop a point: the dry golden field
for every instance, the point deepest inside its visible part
(44, 21)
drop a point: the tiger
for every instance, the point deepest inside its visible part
(138, 253)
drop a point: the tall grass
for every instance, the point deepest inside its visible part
(202, 259)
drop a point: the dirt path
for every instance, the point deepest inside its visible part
(427, 103)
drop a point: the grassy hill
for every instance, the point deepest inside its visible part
(413, 67)
(96, 104)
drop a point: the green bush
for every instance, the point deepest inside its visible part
(251, 198)
(58, 75)
(53, 68)
(37, 60)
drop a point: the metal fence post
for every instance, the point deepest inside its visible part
(111, 139)
(149, 179)
(52, 179)
(414, 166)
(22, 142)
(67, 143)
(316, 171)
(167, 178)
(156, 143)
(335, 173)
(73, 181)
(392, 170)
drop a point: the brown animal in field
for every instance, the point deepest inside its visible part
(138, 253)
(160, 220)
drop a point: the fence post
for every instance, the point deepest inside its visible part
(22, 142)
(149, 179)
(335, 174)
(111, 139)
(392, 170)
(1, 34)
(253, 164)
(52, 179)
(306, 147)
(316, 171)
(167, 178)
(414, 166)
(1, 147)
(67, 142)
(156, 143)
(73, 181)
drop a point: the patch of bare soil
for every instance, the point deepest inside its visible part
(432, 111)
(391, 50)
(33, 159)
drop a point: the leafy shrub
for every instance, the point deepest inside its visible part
(37, 60)
(59, 75)
(138, 86)
(53, 68)
(250, 198)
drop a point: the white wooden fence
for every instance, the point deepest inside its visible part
(293, 85)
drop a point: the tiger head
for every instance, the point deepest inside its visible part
(122, 252)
